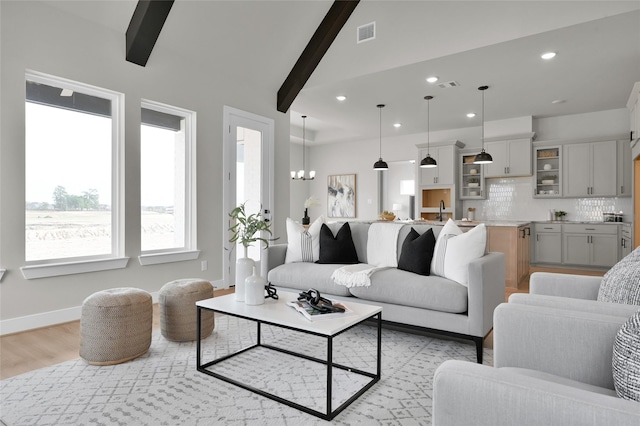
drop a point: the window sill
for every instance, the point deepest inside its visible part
(57, 269)
(177, 256)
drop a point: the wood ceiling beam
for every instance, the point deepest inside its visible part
(320, 42)
(144, 28)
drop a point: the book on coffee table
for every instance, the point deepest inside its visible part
(313, 314)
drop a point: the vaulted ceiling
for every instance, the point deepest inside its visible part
(496, 43)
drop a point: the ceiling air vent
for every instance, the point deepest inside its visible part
(448, 84)
(366, 32)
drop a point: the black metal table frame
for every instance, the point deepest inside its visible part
(329, 415)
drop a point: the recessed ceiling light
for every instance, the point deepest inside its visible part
(548, 55)
(396, 125)
(432, 79)
(558, 101)
(471, 114)
(341, 98)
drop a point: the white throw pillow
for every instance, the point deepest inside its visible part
(461, 250)
(449, 230)
(303, 245)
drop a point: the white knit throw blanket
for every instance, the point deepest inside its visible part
(382, 252)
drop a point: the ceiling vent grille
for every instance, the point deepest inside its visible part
(448, 84)
(366, 32)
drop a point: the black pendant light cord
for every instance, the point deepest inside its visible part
(380, 124)
(304, 118)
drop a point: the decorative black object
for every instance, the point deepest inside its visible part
(272, 292)
(317, 302)
(339, 249)
(417, 252)
(306, 219)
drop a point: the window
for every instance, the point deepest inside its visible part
(167, 176)
(72, 175)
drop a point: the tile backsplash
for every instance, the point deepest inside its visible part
(512, 199)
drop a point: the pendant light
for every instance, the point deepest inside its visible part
(483, 157)
(428, 162)
(380, 164)
(300, 175)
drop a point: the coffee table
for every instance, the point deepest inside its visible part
(277, 313)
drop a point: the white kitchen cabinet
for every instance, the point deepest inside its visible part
(547, 243)
(446, 155)
(510, 158)
(625, 163)
(588, 169)
(626, 246)
(547, 174)
(590, 244)
(443, 174)
(633, 105)
(471, 178)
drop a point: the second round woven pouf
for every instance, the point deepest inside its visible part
(178, 312)
(115, 325)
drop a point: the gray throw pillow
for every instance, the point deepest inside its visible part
(626, 359)
(621, 284)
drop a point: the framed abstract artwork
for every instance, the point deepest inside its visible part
(341, 196)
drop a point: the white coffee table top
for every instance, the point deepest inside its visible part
(277, 312)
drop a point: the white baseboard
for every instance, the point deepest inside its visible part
(46, 319)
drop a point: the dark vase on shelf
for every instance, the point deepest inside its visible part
(306, 219)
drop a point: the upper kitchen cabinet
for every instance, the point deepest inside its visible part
(511, 156)
(446, 155)
(471, 178)
(625, 163)
(588, 169)
(547, 165)
(634, 112)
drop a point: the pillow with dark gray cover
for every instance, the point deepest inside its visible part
(621, 284)
(339, 249)
(626, 359)
(417, 251)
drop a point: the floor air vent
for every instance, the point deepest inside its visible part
(366, 32)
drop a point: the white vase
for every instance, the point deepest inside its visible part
(254, 289)
(244, 269)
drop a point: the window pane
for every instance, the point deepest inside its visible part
(163, 181)
(68, 174)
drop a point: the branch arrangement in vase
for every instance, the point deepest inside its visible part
(246, 229)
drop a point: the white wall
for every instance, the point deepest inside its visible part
(358, 157)
(39, 37)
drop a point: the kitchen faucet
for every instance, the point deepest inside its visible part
(442, 207)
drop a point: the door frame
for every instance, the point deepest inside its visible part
(266, 126)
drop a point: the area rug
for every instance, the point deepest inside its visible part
(163, 387)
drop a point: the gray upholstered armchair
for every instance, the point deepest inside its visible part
(552, 366)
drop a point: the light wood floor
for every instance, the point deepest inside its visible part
(34, 349)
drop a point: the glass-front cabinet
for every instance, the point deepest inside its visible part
(548, 172)
(471, 178)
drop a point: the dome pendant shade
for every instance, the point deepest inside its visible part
(380, 165)
(483, 158)
(428, 162)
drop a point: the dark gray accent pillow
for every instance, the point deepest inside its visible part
(339, 249)
(621, 284)
(417, 251)
(626, 359)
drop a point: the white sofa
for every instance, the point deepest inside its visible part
(432, 303)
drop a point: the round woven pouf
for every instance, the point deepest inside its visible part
(115, 326)
(178, 312)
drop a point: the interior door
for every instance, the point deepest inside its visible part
(248, 178)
